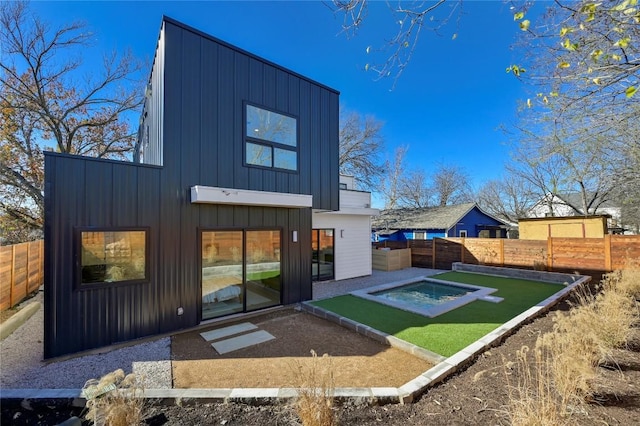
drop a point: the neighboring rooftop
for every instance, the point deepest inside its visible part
(422, 218)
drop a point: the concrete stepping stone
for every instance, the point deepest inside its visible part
(240, 342)
(219, 333)
(492, 299)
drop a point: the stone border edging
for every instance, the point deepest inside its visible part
(17, 319)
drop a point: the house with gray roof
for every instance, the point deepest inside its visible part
(460, 220)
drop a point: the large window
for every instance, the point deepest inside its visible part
(240, 271)
(113, 256)
(271, 139)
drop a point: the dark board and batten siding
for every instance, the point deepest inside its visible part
(86, 192)
(206, 83)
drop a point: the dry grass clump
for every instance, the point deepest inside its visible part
(559, 376)
(115, 399)
(626, 281)
(573, 359)
(314, 404)
(533, 401)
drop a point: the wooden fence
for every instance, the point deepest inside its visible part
(585, 255)
(21, 272)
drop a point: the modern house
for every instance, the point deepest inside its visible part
(460, 220)
(236, 176)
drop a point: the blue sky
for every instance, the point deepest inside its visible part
(447, 106)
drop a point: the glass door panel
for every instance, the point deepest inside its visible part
(263, 269)
(315, 266)
(323, 254)
(222, 289)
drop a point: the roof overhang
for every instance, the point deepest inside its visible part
(244, 197)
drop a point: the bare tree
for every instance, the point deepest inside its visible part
(450, 185)
(411, 19)
(508, 198)
(568, 155)
(390, 186)
(48, 102)
(361, 145)
(414, 189)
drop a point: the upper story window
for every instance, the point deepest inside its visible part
(271, 139)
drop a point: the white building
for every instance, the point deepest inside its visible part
(342, 239)
(570, 204)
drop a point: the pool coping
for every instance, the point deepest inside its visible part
(477, 293)
(406, 393)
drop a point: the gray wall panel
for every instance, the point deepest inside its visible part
(190, 175)
(209, 116)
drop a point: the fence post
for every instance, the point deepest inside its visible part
(41, 262)
(28, 263)
(607, 253)
(13, 275)
(433, 253)
(549, 254)
(501, 251)
(462, 250)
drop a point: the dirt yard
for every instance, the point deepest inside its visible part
(357, 361)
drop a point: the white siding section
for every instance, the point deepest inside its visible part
(352, 239)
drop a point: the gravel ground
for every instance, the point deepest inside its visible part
(21, 353)
(21, 365)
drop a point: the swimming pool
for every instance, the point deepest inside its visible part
(427, 296)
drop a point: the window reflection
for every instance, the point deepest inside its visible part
(271, 126)
(263, 269)
(113, 256)
(240, 271)
(221, 273)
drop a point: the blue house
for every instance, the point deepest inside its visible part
(461, 220)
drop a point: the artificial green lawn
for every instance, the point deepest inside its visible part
(450, 332)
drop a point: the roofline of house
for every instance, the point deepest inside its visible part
(244, 52)
(539, 219)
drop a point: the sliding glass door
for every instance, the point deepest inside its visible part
(263, 269)
(240, 271)
(322, 256)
